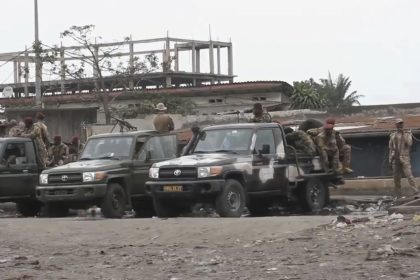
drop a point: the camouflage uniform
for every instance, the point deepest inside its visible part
(399, 157)
(328, 150)
(74, 152)
(343, 149)
(301, 141)
(163, 123)
(15, 131)
(34, 132)
(44, 132)
(264, 118)
(58, 154)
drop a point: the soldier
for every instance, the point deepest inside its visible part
(3, 126)
(399, 157)
(343, 149)
(259, 115)
(43, 127)
(75, 148)
(300, 140)
(15, 129)
(34, 132)
(327, 144)
(163, 122)
(58, 152)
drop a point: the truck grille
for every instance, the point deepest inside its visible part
(65, 179)
(186, 173)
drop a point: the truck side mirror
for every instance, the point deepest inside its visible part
(148, 156)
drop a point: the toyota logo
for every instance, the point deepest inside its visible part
(64, 178)
(177, 172)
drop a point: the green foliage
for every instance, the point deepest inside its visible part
(328, 93)
(306, 96)
(175, 105)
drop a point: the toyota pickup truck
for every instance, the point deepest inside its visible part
(19, 172)
(110, 173)
(236, 166)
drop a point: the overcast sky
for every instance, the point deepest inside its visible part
(375, 42)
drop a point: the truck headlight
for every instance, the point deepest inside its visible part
(43, 179)
(93, 176)
(154, 173)
(203, 172)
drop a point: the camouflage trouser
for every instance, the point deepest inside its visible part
(345, 156)
(330, 159)
(402, 166)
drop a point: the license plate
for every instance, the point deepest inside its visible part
(172, 188)
(61, 192)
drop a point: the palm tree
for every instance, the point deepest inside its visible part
(336, 92)
(305, 96)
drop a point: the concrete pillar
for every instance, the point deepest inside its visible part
(230, 62)
(211, 57)
(167, 55)
(176, 58)
(218, 60)
(96, 54)
(193, 57)
(197, 61)
(19, 77)
(131, 65)
(26, 65)
(168, 81)
(15, 72)
(62, 72)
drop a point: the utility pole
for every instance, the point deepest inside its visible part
(38, 63)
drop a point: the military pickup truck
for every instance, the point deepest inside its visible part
(237, 166)
(111, 173)
(19, 172)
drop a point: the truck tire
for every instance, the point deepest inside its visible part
(54, 210)
(28, 208)
(315, 195)
(231, 201)
(114, 203)
(165, 209)
(144, 208)
(258, 207)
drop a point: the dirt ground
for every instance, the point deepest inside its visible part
(294, 247)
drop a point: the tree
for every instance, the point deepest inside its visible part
(102, 61)
(337, 93)
(306, 96)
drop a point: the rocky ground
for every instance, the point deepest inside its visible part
(369, 246)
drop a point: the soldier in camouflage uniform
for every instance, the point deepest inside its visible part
(75, 148)
(163, 122)
(399, 157)
(300, 140)
(259, 115)
(58, 152)
(43, 127)
(34, 132)
(343, 149)
(328, 149)
(15, 129)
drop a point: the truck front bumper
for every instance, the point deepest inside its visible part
(184, 189)
(70, 193)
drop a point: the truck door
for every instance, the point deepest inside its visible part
(19, 170)
(156, 148)
(268, 169)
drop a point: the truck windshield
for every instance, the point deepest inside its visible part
(224, 140)
(107, 148)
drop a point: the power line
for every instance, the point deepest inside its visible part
(11, 59)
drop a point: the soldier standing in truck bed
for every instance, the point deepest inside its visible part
(399, 157)
(43, 127)
(259, 115)
(34, 132)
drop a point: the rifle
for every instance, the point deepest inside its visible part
(123, 124)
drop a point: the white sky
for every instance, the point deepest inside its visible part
(375, 42)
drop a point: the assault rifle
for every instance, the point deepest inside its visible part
(123, 124)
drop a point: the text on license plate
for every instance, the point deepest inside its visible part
(172, 188)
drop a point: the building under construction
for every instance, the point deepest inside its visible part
(184, 63)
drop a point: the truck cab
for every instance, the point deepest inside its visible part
(238, 165)
(19, 172)
(111, 173)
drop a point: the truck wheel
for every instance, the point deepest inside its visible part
(258, 207)
(28, 208)
(114, 203)
(144, 208)
(315, 195)
(231, 201)
(164, 208)
(56, 211)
